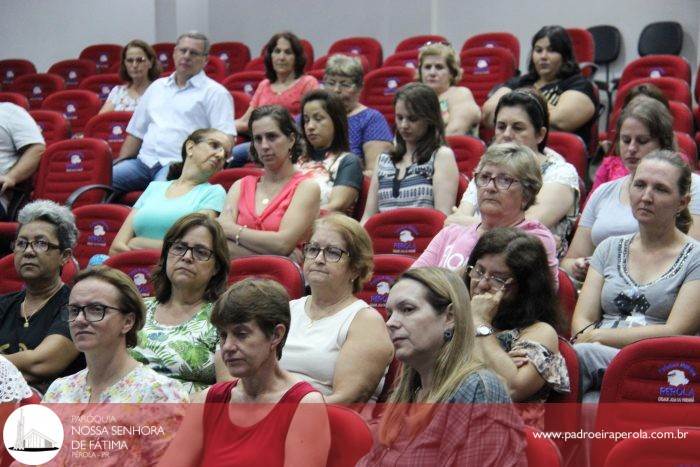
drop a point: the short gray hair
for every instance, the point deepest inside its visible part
(522, 161)
(197, 36)
(59, 216)
(346, 66)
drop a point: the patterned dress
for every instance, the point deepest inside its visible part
(414, 190)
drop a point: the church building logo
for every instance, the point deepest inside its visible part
(33, 434)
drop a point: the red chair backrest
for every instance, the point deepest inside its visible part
(164, 55)
(468, 151)
(541, 450)
(562, 411)
(414, 43)
(73, 71)
(37, 86)
(227, 177)
(11, 282)
(407, 58)
(673, 88)
(15, 98)
(138, 265)
(682, 119)
(350, 437)
(70, 164)
(381, 86)
(656, 66)
(309, 52)
(362, 199)
(13, 68)
(54, 125)
(255, 64)
(404, 231)
(462, 185)
(244, 81)
(367, 46)
(485, 67)
(104, 55)
(234, 54)
(216, 68)
(320, 63)
(278, 268)
(495, 39)
(568, 294)
(97, 224)
(77, 105)
(101, 84)
(583, 44)
(387, 267)
(110, 127)
(670, 446)
(688, 147)
(572, 148)
(241, 102)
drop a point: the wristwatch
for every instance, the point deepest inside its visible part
(484, 330)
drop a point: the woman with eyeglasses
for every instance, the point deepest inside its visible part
(507, 180)
(186, 190)
(438, 67)
(104, 313)
(337, 342)
(139, 68)
(420, 171)
(34, 335)
(177, 339)
(515, 308)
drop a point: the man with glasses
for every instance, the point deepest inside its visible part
(171, 109)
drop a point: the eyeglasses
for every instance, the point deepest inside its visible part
(39, 246)
(340, 84)
(332, 254)
(192, 52)
(93, 312)
(501, 181)
(496, 282)
(199, 252)
(133, 60)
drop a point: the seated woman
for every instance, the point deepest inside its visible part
(522, 117)
(279, 419)
(554, 72)
(368, 131)
(410, 174)
(514, 305)
(34, 335)
(507, 180)
(467, 418)
(177, 339)
(642, 128)
(104, 312)
(139, 68)
(187, 190)
(336, 342)
(271, 213)
(438, 67)
(337, 171)
(643, 284)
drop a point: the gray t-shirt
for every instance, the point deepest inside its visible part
(626, 303)
(17, 130)
(606, 216)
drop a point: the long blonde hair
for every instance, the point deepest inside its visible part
(456, 360)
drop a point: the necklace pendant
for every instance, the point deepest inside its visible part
(265, 201)
(26, 324)
(310, 325)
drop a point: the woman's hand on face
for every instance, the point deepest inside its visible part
(519, 357)
(580, 268)
(484, 306)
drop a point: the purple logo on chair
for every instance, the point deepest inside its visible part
(656, 73)
(392, 85)
(482, 66)
(224, 56)
(97, 237)
(72, 77)
(163, 58)
(140, 276)
(382, 284)
(70, 111)
(355, 51)
(36, 91)
(406, 235)
(248, 88)
(490, 45)
(678, 377)
(104, 91)
(9, 76)
(117, 134)
(75, 162)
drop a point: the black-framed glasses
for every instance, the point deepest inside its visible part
(192, 52)
(39, 246)
(478, 274)
(500, 181)
(132, 60)
(332, 254)
(93, 312)
(199, 253)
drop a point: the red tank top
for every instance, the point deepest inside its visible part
(271, 217)
(261, 444)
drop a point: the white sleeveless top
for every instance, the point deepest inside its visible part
(312, 347)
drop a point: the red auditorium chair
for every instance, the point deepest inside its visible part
(407, 58)
(387, 267)
(367, 46)
(97, 224)
(673, 88)
(468, 151)
(318, 74)
(656, 66)
(77, 105)
(104, 55)
(584, 50)
(414, 43)
(687, 146)
(572, 148)
(11, 282)
(351, 438)
(462, 185)
(568, 294)
(101, 84)
(278, 268)
(110, 127)
(660, 447)
(651, 374)
(54, 125)
(495, 39)
(37, 86)
(244, 81)
(234, 54)
(255, 64)
(485, 67)
(540, 450)
(13, 68)
(405, 231)
(73, 71)
(241, 102)
(15, 98)
(164, 54)
(216, 68)
(362, 199)
(227, 177)
(380, 87)
(309, 52)
(320, 63)
(138, 265)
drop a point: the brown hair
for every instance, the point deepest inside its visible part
(153, 72)
(654, 116)
(421, 101)
(285, 123)
(197, 136)
(437, 49)
(297, 48)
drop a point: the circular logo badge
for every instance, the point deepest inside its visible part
(33, 434)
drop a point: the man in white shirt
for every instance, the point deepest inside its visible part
(168, 112)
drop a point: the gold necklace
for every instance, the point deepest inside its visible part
(27, 317)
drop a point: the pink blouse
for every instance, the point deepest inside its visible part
(271, 217)
(289, 99)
